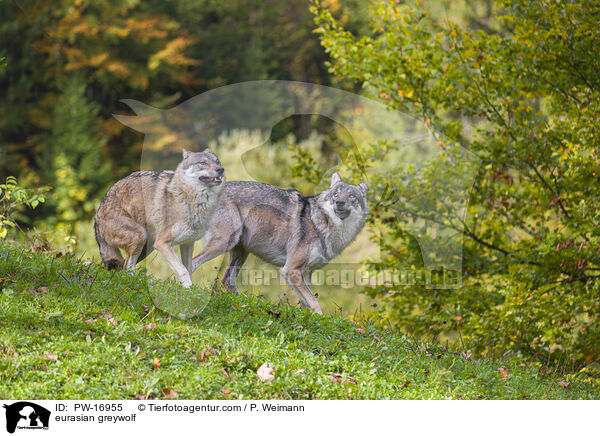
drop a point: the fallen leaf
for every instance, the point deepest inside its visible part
(359, 330)
(156, 362)
(151, 326)
(503, 373)
(49, 356)
(264, 372)
(350, 379)
(564, 384)
(224, 372)
(227, 391)
(170, 394)
(275, 314)
(405, 384)
(108, 316)
(335, 377)
(43, 289)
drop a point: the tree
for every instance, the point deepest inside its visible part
(72, 160)
(524, 98)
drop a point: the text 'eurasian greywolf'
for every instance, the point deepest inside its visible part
(156, 210)
(284, 228)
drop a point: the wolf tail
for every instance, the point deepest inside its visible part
(111, 258)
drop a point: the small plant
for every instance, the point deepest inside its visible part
(12, 198)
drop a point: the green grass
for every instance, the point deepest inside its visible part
(61, 343)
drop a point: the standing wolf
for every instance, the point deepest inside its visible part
(156, 210)
(285, 228)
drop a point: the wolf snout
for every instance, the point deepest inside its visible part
(340, 204)
(216, 177)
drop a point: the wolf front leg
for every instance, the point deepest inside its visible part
(187, 251)
(296, 279)
(166, 250)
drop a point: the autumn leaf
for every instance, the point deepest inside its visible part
(156, 362)
(151, 326)
(503, 373)
(108, 316)
(264, 372)
(564, 384)
(170, 394)
(50, 356)
(274, 313)
(359, 330)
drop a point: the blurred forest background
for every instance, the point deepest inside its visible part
(514, 81)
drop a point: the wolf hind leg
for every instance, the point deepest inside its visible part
(111, 257)
(130, 237)
(238, 256)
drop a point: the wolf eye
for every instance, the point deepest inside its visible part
(204, 162)
(351, 196)
(336, 195)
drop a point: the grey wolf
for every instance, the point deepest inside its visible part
(284, 228)
(150, 210)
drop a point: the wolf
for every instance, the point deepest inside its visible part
(150, 210)
(285, 228)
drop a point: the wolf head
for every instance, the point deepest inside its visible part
(343, 201)
(201, 168)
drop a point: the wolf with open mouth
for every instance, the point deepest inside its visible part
(150, 210)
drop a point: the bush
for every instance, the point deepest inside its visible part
(12, 200)
(524, 97)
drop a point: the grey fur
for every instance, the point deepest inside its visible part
(156, 210)
(284, 228)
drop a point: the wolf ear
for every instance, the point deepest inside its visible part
(186, 153)
(335, 179)
(363, 187)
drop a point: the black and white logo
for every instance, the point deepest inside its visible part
(26, 415)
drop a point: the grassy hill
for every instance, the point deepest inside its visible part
(71, 330)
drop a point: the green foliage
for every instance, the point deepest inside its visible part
(99, 336)
(525, 99)
(73, 158)
(161, 53)
(12, 199)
